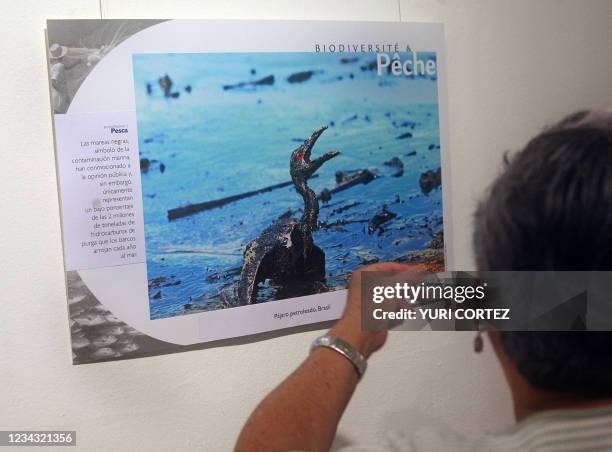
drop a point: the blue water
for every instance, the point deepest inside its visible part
(215, 143)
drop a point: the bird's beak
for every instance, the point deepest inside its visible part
(316, 163)
(312, 140)
(329, 155)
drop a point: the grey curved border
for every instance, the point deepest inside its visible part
(97, 335)
(84, 43)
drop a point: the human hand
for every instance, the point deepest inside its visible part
(348, 327)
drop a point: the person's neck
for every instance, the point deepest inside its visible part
(529, 401)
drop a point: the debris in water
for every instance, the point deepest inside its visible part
(404, 135)
(396, 163)
(269, 80)
(384, 216)
(300, 77)
(165, 84)
(430, 179)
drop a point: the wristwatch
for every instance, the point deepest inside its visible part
(345, 349)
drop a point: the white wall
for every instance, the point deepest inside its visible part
(513, 66)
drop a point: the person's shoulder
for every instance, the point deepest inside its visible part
(585, 429)
(422, 439)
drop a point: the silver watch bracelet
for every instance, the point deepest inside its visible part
(343, 348)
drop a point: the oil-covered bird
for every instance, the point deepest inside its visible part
(285, 251)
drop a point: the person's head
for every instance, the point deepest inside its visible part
(551, 209)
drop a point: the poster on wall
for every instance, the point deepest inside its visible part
(220, 179)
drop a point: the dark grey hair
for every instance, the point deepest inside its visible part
(551, 209)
